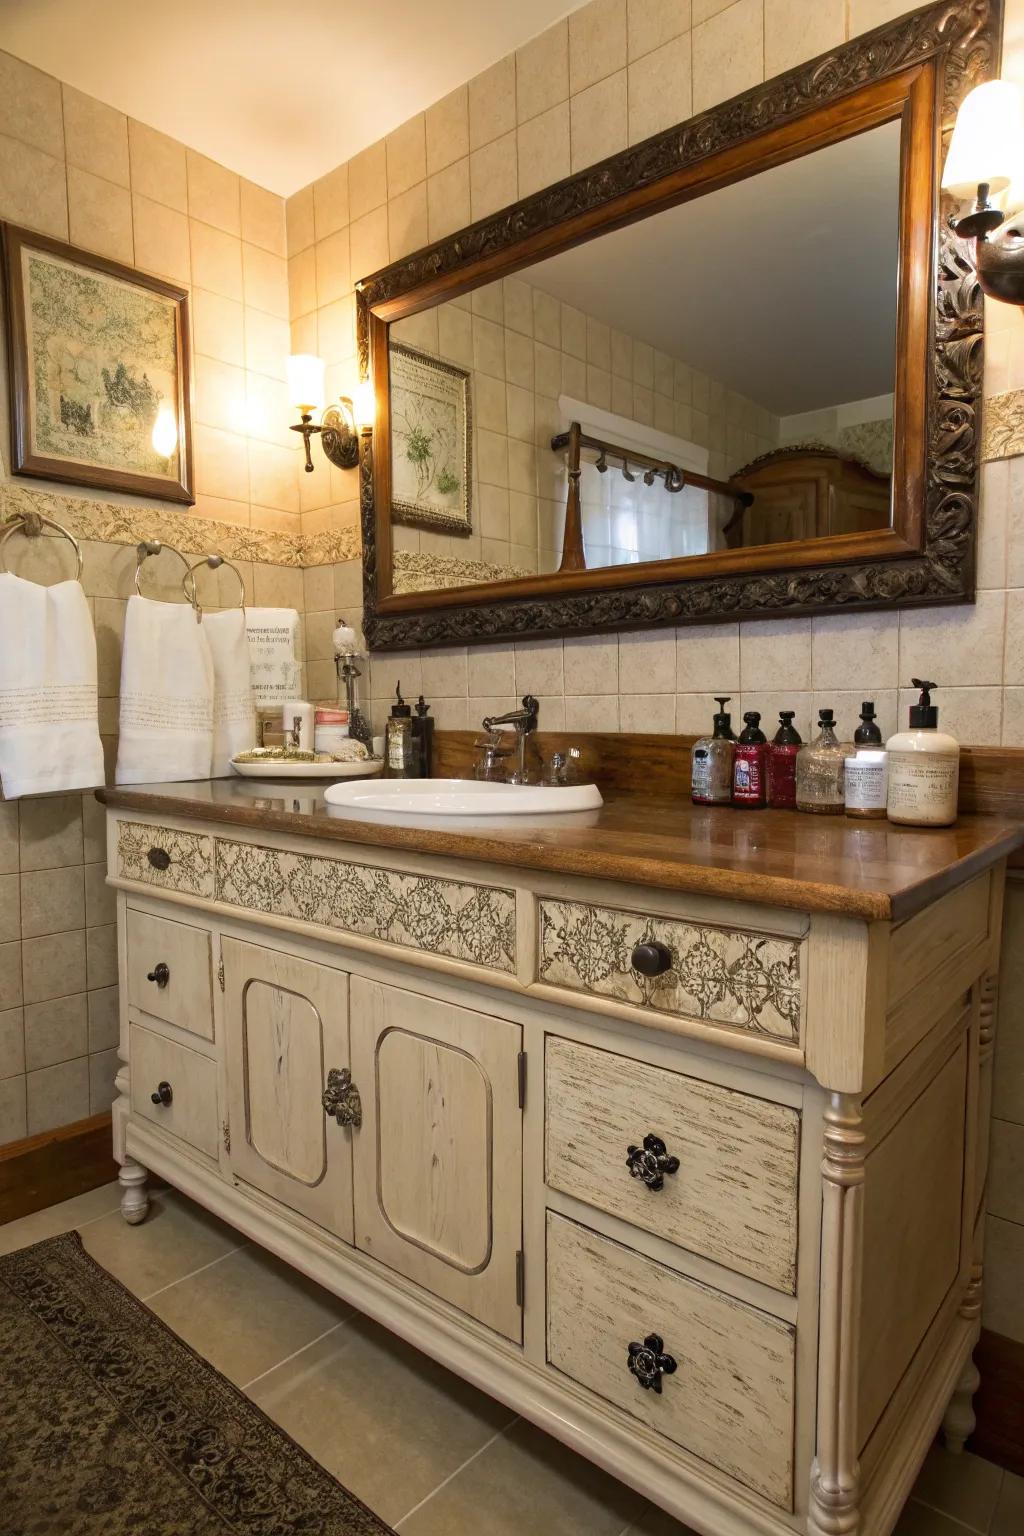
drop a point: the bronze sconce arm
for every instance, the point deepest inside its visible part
(337, 432)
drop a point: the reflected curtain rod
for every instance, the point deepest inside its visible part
(676, 479)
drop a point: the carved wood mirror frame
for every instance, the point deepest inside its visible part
(917, 70)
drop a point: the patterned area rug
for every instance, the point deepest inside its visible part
(110, 1424)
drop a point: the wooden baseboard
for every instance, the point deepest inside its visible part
(43, 1170)
(999, 1403)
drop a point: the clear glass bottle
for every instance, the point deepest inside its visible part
(399, 750)
(711, 761)
(820, 771)
(782, 755)
(866, 777)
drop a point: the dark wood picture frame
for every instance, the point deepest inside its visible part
(917, 70)
(24, 460)
(416, 517)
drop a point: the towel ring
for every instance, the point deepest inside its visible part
(31, 525)
(214, 562)
(155, 547)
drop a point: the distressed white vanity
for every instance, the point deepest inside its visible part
(673, 1140)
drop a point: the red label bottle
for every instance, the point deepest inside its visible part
(749, 763)
(782, 756)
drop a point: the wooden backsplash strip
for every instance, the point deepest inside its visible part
(991, 778)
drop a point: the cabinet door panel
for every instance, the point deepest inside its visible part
(286, 1021)
(438, 1161)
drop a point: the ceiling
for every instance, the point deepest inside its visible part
(782, 286)
(280, 92)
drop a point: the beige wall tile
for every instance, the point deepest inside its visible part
(597, 42)
(448, 200)
(103, 1018)
(333, 271)
(702, 9)
(1013, 666)
(95, 137)
(708, 658)
(299, 217)
(101, 955)
(100, 216)
(54, 966)
(542, 72)
(13, 1118)
(157, 166)
(1006, 1184)
(543, 145)
(406, 154)
(728, 54)
(265, 281)
(598, 121)
(368, 241)
(10, 975)
(220, 395)
(269, 411)
(652, 23)
(222, 464)
(1003, 1307)
(865, 14)
(493, 177)
(407, 221)
(216, 260)
(860, 647)
(1013, 717)
(447, 130)
(52, 901)
(33, 188)
(12, 1044)
(302, 295)
(8, 836)
(56, 1031)
(10, 909)
(214, 195)
(267, 343)
(1008, 1077)
(100, 898)
(218, 327)
(273, 477)
(30, 105)
(329, 208)
(161, 240)
(51, 832)
(796, 30)
(492, 103)
(775, 653)
(969, 641)
(660, 91)
(57, 1095)
(647, 663)
(591, 665)
(103, 1069)
(367, 180)
(336, 330)
(262, 215)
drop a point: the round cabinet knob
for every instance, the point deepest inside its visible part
(163, 1095)
(159, 858)
(649, 1362)
(651, 1162)
(652, 958)
(161, 974)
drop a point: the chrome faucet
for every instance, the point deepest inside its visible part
(524, 722)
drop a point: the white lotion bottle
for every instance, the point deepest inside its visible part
(924, 768)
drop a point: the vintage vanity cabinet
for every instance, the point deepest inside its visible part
(684, 1162)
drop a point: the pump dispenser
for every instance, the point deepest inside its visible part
(924, 768)
(820, 771)
(749, 776)
(711, 761)
(866, 779)
(399, 757)
(782, 756)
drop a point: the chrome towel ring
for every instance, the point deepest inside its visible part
(149, 547)
(213, 562)
(31, 524)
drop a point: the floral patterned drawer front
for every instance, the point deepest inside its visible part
(445, 917)
(725, 976)
(173, 861)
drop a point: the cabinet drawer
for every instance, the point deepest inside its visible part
(730, 1398)
(171, 861)
(191, 1112)
(733, 977)
(733, 1196)
(182, 993)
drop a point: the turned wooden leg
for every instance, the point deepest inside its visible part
(959, 1422)
(134, 1198)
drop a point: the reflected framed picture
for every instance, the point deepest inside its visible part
(98, 362)
(431, 442)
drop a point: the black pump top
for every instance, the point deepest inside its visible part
(924, 715)
(867, 733)
(751, 736)
(827, 717)
(400, 708)
(723, 721)
(787, 734)
(422, 707)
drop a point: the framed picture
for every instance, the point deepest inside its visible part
(431, 442)
(98, 367)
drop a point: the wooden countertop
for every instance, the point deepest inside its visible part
(868, 869)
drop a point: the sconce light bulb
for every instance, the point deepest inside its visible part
(165, 432)
(986, 143)
(364, 405)
(306, 382)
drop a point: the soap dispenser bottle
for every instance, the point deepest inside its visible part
(782, 756)
(924, 768)
(711, 761)
(820, 771)
(399, 751)
(749, 763)
(866, 774)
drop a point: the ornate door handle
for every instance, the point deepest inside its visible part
(651, 1162)
(649, 1363)
(341, 1098)
(652, 958)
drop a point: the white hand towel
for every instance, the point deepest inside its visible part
(166, 695)
(274, 644)
(49, 735)
(234, 713)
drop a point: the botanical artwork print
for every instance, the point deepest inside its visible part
(430, 441)
(726, 976)
(102, 360)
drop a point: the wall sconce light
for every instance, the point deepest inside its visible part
(986, 155)
(337, 429)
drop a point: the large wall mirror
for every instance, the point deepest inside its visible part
(731, 371)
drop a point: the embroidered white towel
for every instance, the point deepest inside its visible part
(166, 695)
(234, 713)
(274, 645)
(49, 735)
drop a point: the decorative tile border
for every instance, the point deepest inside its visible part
(1003, 426)
(722, 975)
(445, 917)
(417, 572)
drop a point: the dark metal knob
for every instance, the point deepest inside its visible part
(159, 858)
(164, 1094)
(161, 974)
(651, 1162)
(652, 958)
(649, 1363)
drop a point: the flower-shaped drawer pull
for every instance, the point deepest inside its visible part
(649, 1362)
(341, 1098)
(651, 1162)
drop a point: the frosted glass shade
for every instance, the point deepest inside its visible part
(306, 382)
(364, 407)
(987, 141)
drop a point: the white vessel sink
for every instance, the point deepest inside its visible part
(461, 797)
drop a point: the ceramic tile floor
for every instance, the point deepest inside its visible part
(427, 1452)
